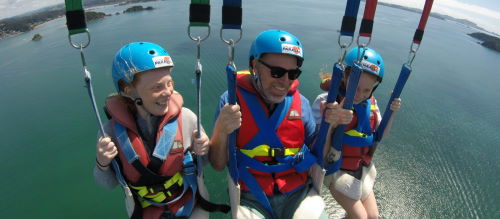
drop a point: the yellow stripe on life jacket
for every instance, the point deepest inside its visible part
(244, 72)
(146, 192)
(355, 133)
(264, 150)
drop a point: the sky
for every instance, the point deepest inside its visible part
(485, 13)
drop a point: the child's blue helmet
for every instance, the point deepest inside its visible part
(138, 57)
(371, 63)
(276, 41)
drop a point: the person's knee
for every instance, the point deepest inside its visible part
(356, 213)
(311, 207)
(372, 214)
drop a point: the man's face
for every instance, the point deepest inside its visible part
(273, 89)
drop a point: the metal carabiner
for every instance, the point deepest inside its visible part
(360, 57)
(343, 52)
(412, 53)
(86, 73)
(198, 66)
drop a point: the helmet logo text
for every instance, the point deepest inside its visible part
(291, 49)
(162, 61)
(368, 66)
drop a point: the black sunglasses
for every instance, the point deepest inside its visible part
(278, 72)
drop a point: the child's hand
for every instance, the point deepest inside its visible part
(334, 114)
(396, 105)
(105, 152)
(200, 145)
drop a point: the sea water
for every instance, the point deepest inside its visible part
(440, 160)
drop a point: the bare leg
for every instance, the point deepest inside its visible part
(370, 205)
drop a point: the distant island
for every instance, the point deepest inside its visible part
(137, 8)
(488, 41)
(36, 37)
(26, 22)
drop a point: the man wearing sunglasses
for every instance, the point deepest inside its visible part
(276, 128)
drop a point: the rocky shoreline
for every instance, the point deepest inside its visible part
(488, 41)
(12, 26)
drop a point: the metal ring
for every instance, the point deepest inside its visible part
(81, 46)
(364, 45)
(196, 39)
(414, 49)
(228, 42)
(346, 45)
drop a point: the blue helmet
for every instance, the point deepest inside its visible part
(371, 63)
(138, 57)
(276, 41)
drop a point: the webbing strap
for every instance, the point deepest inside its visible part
(398, 88)
(189, 178)
(266, 150)
(231, 14)
(349, 19)
(143, 191)
(337, 137)
(301, 162)
(267, 125)
(419, 32)
(323, 130)
(366, 27)
(255, 189)
(405, 72)
(75, 17)
(231, 145)
(163, 146)
(199, 13)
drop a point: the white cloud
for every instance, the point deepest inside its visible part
(481, 15)
(9, 8)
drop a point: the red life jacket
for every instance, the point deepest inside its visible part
(290, 133)
(352, 156)
(135, 174)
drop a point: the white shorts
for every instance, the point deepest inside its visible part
(350, 186)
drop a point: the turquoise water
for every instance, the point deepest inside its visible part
(440, 161)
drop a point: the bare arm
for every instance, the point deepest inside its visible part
(395, 106)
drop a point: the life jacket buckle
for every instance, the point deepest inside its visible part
(299, 157)
(276, 152)
(156, 188)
